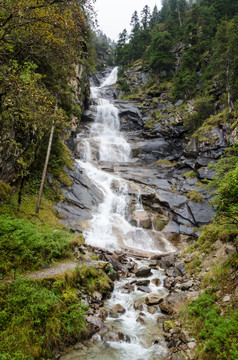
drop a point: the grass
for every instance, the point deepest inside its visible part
(38, 318)
(165, 163)
(190, 174)
(195, 196)
(25, 246)
(216, 331)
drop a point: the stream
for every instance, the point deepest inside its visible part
(132, 325)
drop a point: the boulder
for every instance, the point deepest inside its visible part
(119, 309)
(142, 282)
(143, 272)
(111, 336)
(140, 320)
(141, 218)
(144, 289)
(153, 299)
(202, 212)
(95, 321)
(138, 305)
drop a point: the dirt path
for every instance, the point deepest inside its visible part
(53, 270)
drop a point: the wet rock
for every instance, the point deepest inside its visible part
(153, 264)
(131, 118)
(128, 288)
(155, 342)
(150, 151)
(124, 337)
(145, 289)
(138, 305)
(118, 309)
(140, 320)
(103, 313)
(142, 282)
(151, 309)
(111, 336)
(143, 272)
(141, 218)
(153, 299)
(156, 282)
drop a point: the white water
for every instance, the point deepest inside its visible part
(109, 227)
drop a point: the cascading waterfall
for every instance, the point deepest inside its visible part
(109, 227)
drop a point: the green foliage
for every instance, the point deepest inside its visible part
(24, 246)
(5, 192)
(218, 230)
(40, 43)
(38, 317)
(203, 108)
(161, 56)
(226, 182)
(217, 333)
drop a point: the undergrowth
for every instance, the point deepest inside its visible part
(25, 246)
(38, 318)
(217, 332)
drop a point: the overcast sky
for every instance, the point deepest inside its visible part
(115, 15)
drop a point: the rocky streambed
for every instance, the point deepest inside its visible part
(137, 319)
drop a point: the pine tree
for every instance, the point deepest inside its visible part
(145, 17)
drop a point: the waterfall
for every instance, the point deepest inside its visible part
(109, 227)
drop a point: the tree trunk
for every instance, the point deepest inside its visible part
(228, 88)
(46, 163)
(179, 14)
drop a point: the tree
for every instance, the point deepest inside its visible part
(120, 50)
(145, 17)
(225, 57)
(40, 43)
(154, 17)
(135, 22)
(161, 55)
